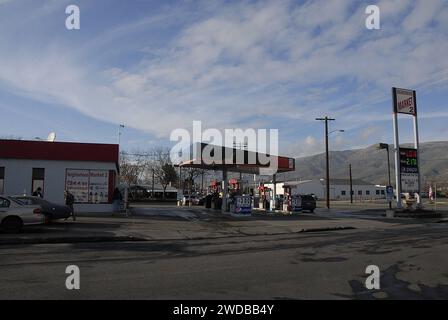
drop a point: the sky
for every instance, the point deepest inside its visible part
(156, 66)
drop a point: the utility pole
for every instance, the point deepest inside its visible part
(326, 119)
(351, 183)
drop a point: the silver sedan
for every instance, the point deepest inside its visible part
(15, 214)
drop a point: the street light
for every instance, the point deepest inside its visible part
(386, 146)
(119, 133)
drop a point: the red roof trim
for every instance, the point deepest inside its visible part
(62, 151)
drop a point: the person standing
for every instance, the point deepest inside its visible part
(38, 193)
(69, 201)
(116, 199)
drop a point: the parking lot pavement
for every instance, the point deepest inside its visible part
(166, 254)
(321, 265)
(176, 223)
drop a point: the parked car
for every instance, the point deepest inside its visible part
(308, 202)
(199, 200)
(53, 211)
(187, 198)
(15, 214)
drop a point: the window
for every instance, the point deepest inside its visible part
(359, 192)
(343, 193)
(38, 180)
(2, 179)
(4, 203)
(382, 192)
(367, 192)
(377, 192)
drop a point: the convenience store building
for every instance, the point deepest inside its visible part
(88, 170)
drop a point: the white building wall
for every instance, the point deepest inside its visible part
(18, 179)
(310, 187)
(304, 187)
(370, 195)
(317, 188)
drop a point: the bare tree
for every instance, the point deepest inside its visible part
(189, 176)
(132, 167)
(162, 167)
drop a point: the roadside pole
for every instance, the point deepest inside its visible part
(327, 158)
(351, 183)
(435, 196)
(416, 146)
(274, 200)
(225, 186)
(396, 149)
(388, 173)
(407, 164)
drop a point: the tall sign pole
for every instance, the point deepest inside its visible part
(396, 148)
(417, 147)
(327, 167)
(407, 164)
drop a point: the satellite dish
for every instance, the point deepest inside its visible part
(51, 137)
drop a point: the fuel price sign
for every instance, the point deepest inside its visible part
(409, 170)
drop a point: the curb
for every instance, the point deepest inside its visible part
(16, 241)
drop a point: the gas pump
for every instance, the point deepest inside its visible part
(292, 202)
(265, 197)
(287, 198)
(234, 187)
(239, 204)
(215, 190)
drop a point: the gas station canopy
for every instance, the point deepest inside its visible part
(212, 157)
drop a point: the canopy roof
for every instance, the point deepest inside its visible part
(212, 157)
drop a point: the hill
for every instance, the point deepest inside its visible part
(370, 164)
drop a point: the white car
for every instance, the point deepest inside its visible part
(15, 214)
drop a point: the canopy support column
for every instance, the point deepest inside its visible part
(225, 189)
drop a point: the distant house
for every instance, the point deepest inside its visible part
(170, 191)
(339, 189)
(144, 192)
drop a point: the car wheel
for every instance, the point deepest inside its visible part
(11, 224)
(312, 210)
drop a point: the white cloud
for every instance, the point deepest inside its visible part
(310, 141)
(245, 63)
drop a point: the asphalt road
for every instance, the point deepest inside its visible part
(324, 265)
